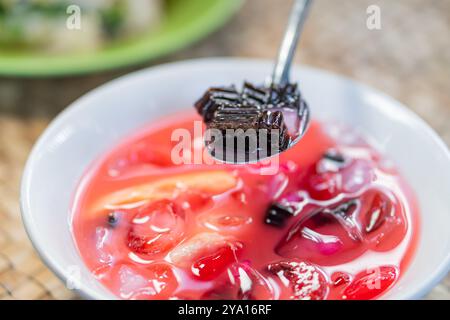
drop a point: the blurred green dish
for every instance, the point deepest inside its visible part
(184, 23)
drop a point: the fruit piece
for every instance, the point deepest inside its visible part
(371, 283)
(306, 281)
(168, 188)
(200, 245)
(155, 281)
(210, 266)
(277, 214)
(156, 228)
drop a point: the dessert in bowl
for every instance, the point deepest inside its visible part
(341, 217)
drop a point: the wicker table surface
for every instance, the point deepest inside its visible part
(409, 58)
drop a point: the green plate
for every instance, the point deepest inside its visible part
(186, 21)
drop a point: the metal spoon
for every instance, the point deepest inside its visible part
(296, 21)
(280, 78)
(281, 72)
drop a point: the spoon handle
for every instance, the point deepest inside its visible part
(297, 18)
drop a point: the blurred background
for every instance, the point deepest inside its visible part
(409, 59)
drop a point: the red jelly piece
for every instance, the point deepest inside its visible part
(340, 278)
(371, 283)
(210, 266)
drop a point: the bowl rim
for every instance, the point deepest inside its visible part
(88, 292)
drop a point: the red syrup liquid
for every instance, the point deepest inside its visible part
(152, 229)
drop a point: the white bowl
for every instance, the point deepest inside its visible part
(97, 121)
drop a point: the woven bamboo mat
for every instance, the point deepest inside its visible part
(409, 58)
